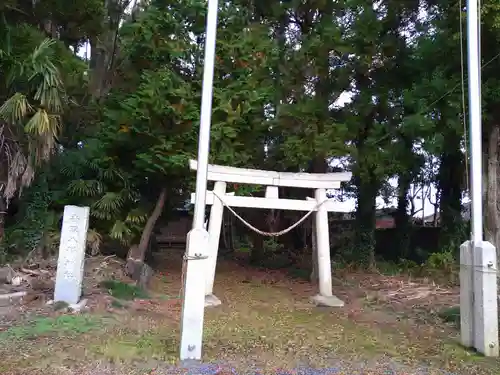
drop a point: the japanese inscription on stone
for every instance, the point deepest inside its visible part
(71, 254)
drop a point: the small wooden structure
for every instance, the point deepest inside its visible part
(174, 233)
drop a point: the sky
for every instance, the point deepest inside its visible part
(422, 205)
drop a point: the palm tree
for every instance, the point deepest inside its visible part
(29, 117)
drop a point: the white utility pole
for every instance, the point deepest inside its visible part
(193, 305)
(478, 264)
(474, 74)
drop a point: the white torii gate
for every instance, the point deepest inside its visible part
(202, 246)
(320, 204)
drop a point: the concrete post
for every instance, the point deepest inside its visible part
(325, 296)
(485, 299)
(214, 230)
(466, 295)
(193, 301)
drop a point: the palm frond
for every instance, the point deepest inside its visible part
(49, 95)
(109, 204)
(85, 188)
(15, 109)
(71, 169)
(92, 165)
(136, 216)
(16, 173)
(43, 124)
(49, 87)
(121, 232)
(43, 50)
(28, 176)
(109, 174)
(94, 241)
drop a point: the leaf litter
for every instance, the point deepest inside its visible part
(265, 325)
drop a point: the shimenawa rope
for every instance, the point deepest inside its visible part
(269, 234)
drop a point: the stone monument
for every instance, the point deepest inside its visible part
(71, 255)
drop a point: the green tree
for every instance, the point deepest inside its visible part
(33, 100)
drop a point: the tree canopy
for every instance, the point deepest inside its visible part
(101, 102)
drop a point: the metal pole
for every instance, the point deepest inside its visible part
(205, 116)
(193, 300)
(474, 69)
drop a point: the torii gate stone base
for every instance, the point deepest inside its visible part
(273, 180)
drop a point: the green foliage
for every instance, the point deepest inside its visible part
(32, 100)
(272, 245)
(36, 219)
(403, 266)
(99, 183)
(123, 291)
(35, 90)
(67, 325)
(279, 73)
(299, 273)
(451, 315)
(443, 262)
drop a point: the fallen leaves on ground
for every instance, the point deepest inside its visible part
(266, 322)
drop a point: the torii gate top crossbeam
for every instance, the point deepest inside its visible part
(272, 178)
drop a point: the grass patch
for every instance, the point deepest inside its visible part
(60, 305)
(265, 325)
(304, 333)
(451, 315)
(117, 304)
(279, 335)
(299, 273)
(133, 346)
(62, 325)
(165, 297)
(123, 291)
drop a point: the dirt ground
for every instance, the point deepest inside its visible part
(265, 325)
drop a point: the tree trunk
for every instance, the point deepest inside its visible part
(450, 186)
(98, 62)
(492, 222)
(148, 228)
(3, 214)
(402, 219)
(135, 257)
(258, 252)
(365, 220)
(104, 49)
